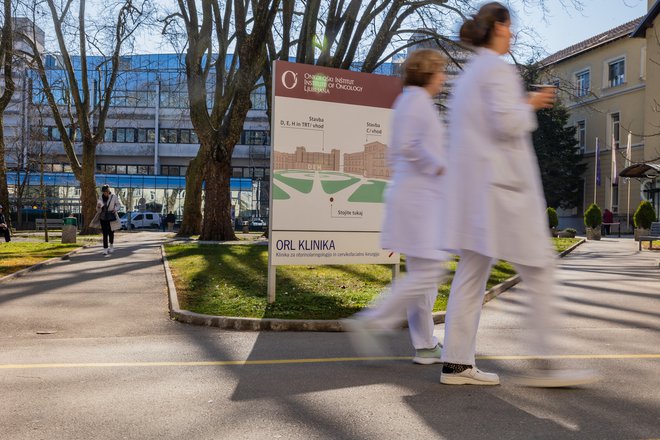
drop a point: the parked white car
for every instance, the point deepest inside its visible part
(140, 220)
(258, 223)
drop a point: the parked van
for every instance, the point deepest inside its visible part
(140, 220)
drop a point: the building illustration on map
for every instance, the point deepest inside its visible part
(370, 163)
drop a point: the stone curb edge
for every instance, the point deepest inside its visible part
(316, 325)
(38, 266)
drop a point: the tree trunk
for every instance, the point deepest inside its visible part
(4, 191)
(192, 208)
(88, 195)
(217, 202)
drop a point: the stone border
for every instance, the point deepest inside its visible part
(37, 266)
(316, 325)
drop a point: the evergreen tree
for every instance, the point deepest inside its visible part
(560, 161)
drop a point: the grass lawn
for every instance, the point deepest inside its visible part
(17, 255)
(230, 280)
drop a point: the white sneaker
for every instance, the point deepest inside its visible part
(111, 249)
(366, 339)
(105, 252)
(556, 378)
(471, 376)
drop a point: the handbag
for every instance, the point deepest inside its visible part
(109, 216)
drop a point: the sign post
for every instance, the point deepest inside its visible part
(330, 129)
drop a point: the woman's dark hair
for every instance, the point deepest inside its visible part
(478, 30)
(105, 188)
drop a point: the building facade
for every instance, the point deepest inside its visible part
(607, 84)
(147, 133)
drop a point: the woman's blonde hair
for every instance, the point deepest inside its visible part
(421, 65)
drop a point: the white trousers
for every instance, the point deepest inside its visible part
(466, 299)
(413, 295)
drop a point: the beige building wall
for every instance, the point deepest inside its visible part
(652, 99)
(597, 108)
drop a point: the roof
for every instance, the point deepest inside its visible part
(647, 22)
(648, 170)
(598, 40)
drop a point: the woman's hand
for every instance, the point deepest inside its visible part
(544, 98)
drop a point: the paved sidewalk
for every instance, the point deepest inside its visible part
(119, 368)
(91, 295)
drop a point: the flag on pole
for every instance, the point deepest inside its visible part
(597, 163)
(613, 174)
(629, 151)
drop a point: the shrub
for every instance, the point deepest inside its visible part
(570, 231)
(644, 216)
(593, 216)
(553, 219)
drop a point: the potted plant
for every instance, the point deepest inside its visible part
(592, 220)
(643, 217)
(553, 220)
(568, 233)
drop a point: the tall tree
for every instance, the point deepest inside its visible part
(7, 60)
(560, 161)
(80, 110)
(212, 28)
(335, 33)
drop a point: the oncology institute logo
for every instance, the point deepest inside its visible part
(289, 79)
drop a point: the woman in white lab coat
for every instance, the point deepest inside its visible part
(495, 204)
(413, 205)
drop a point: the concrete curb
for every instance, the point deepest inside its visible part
(314, 325)
(37, 266)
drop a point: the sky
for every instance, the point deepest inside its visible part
(563, 28)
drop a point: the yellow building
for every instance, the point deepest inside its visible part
(610, 84)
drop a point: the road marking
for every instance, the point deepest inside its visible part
(306, 361)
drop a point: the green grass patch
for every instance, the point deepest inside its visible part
(279, 193)
(304, 185)
(231, 280)
(333, 186)
(15, 256)
(371, 192)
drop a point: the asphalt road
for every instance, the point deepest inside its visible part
(113, 366)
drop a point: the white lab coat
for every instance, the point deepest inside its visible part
(414, 196)
(495, 204)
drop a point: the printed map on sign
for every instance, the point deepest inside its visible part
(329, 159)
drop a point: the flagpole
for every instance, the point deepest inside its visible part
(596, 171)
(613, 179)
(628, 162)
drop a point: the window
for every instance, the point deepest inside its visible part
(642, 64)
(582, 83)
(167, 136)
(615, 119)
(151, 135)
(616, 73)
(185, 136)
(121, 135)
(581, 133)
(193, 137)
(131, 169)
(142, 135)
(255, 137)
(108, 135)
(55, 134)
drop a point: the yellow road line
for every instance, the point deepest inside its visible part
(305, 361)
